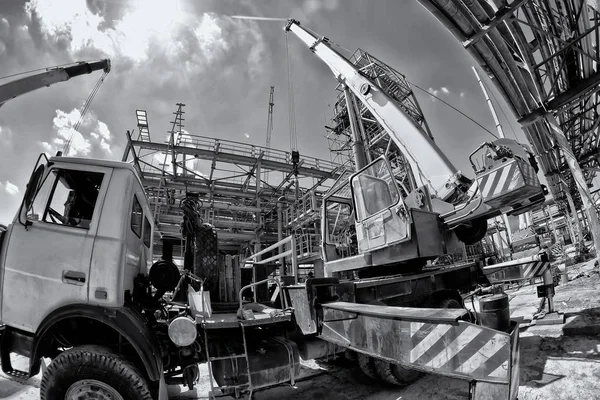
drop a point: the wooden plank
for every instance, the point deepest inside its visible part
(237, 277)
(230, 291)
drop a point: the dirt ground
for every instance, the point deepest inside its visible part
(557, 361)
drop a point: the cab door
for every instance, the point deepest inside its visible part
(381, 216)
(49, 249)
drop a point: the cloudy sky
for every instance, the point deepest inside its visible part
(192, 51)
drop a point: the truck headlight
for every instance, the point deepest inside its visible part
(182, 331)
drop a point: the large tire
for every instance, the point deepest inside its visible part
(472, 234)
(449, 303)
(94, 370)
(367, 366)
(395, 374)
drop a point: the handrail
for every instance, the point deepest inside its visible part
(273, 246)
(292, 252)
(277, 282)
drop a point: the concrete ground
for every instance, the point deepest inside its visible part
(557, 361)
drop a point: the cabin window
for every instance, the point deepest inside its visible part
(136, 217)
(374, 189)
(147, 232)
(71, 198)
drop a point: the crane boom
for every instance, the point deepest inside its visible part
(430, 165)
(30, 83)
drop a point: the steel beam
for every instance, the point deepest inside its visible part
(500, 16)
(562, 99)
(234, 158)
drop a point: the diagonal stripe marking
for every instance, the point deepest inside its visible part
(454, 347)
(494, 345)
(503, 179)
(489, 184)
(537, 267)
(414, 328)
(516, 180)
(441, 345)
(528, 269)
(419, 334)
(429, 340)
(513, 171)
(501, 371)
(483, 336)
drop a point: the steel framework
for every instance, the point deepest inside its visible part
(542, 55)
(376, 140)
(226, 177)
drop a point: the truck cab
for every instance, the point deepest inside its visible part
(69, 262)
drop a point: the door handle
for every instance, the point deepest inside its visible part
(73, 278)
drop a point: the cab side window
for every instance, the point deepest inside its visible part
(147, 233)
(136, 217)
(72, 198)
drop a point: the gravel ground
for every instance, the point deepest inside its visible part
(557, 361)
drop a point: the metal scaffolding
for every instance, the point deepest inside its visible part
(542, 55)
(226, 177)
(376, 139)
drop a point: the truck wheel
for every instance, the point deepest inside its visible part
(367, 366)
(91, 372)
(449, 303)
(395, 374)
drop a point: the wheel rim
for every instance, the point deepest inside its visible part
(88, 389)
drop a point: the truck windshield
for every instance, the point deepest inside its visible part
(374, 189)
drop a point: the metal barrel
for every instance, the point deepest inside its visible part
(494, 312)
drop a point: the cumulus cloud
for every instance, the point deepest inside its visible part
(64, 129)
(11, 188)
(312, 6)
(438, 92)
(146, 30)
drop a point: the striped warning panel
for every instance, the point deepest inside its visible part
(448, 347)
(557, 250)
(528, 270)
(507, 178)
(465, 349)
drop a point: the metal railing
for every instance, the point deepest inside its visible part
(291, 240)
(307, 244)
(249, 150)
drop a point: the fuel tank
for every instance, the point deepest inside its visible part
(273, 360)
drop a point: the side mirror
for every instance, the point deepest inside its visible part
(32, 187)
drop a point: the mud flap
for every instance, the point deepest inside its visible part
(162, 388)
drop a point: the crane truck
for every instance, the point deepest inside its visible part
(78, 285)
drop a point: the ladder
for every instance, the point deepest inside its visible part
(235, 357)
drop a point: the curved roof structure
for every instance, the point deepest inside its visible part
(542, 55)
